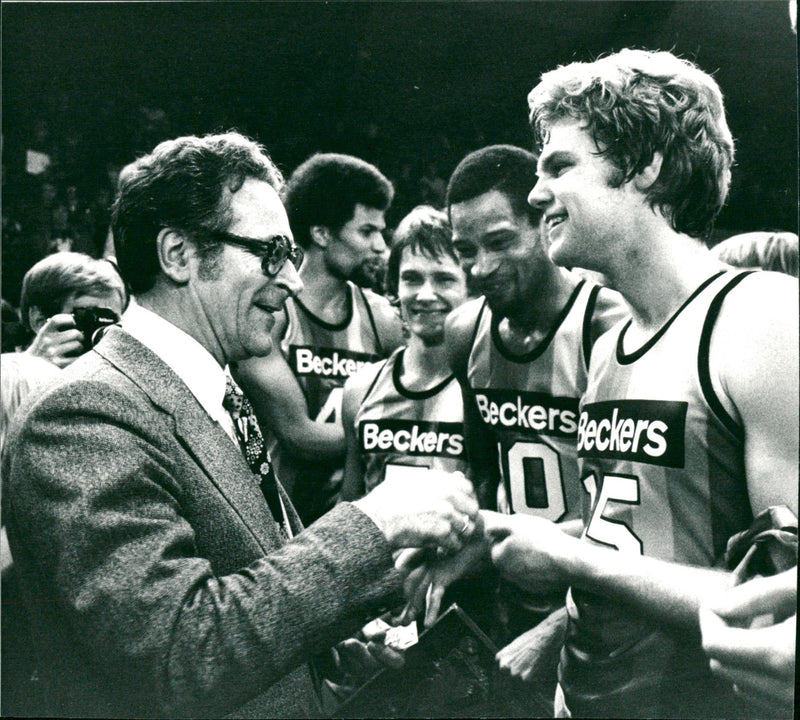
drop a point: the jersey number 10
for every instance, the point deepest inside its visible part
(534, 479)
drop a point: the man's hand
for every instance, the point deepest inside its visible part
(535, 653)
(434, 509)
(429, 573)
(359, 658)
(58, 341)
(530, 551)
(749, 636)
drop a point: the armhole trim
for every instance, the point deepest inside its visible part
(463, 369)
(587, 324)
(378, 342)
(378, 374)
(703, 359)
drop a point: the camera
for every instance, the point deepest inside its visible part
(91, 321)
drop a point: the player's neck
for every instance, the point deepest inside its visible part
(660, 276)
(323, 294)
(536, 315)
(424, 366)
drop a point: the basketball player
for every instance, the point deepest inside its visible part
(406, 410)
(689, 424)
(521, 354)
(336, 205)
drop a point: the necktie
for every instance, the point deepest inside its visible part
(255, 451)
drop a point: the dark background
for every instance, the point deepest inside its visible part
(409, 86)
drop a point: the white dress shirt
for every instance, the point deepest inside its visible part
(190, 361)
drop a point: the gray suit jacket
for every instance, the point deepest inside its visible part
(157, 580)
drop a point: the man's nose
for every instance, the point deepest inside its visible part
(485, 264)
(426, 291)
(378, 244)
(289, 278)
(539, 195)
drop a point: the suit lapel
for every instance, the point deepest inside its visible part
(203, 438)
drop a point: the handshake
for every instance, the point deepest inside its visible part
(432, 519)
(421, 508)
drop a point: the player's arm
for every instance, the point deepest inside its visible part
(609, 308)
(755, 348)
(355, 390)
(480, 448)
(281, 408)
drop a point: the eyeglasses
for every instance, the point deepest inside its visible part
(273, 252)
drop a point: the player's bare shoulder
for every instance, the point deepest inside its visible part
(387, 319)
(357, 386)
(610, 308)
(758, 324)
(459, 331)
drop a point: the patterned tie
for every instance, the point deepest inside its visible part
(255, 452)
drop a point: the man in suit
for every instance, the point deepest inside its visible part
(158, 579)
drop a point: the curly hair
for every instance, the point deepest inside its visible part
(181, 185)
(636, 103)
(426, 231)
(325, 189)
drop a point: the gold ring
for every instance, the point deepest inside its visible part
(466, 525)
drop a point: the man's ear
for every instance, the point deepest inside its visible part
(320, 235)
(644, 179)
(174, 255)
(36, 319)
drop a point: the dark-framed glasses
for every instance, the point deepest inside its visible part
(274, 251)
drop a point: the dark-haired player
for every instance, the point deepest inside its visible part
(406, 411)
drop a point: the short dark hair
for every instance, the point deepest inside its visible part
(325, 189)
(425, 230)
(636, 103)
(505, 168)
(58, 277)
(180, 185)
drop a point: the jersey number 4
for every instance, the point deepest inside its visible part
(534, 479)
(331, 411)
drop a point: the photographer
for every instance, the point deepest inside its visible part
(57, 293)
(65, 298)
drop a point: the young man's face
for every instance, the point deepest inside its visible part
(584, 216)
(359, 241)
(501, 252)
(428, 289)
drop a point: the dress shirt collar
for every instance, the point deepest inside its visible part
(190, 361)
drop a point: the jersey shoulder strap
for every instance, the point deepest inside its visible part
(588, 315)
(385, 366)
(371, 317)
(703, 364)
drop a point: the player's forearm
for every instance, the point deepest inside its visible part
(668, 592)
(310, 440)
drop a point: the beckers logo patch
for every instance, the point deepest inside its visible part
(649, 431)
(412, 437)
(535, 412)
(327, 362)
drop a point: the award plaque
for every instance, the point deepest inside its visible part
(449, 673)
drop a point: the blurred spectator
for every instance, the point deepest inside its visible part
(13, 334)
(767, 250)
(53, 289)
